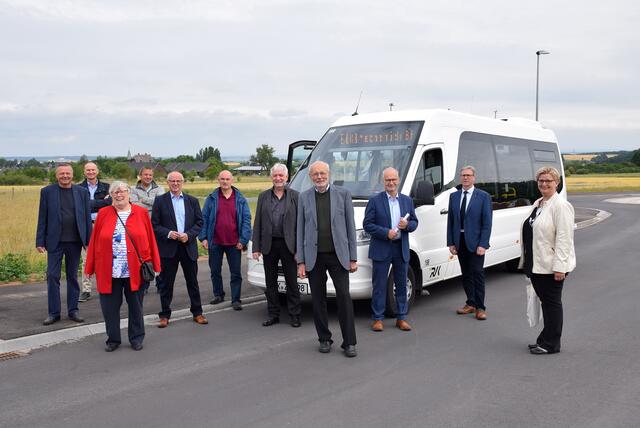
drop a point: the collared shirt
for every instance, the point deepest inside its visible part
(92, 191)
(178, 209)
(469, 193)
(394, 209)
(277, 214)
(325, 191)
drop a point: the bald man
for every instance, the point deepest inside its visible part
(98, 198)
(226, 231)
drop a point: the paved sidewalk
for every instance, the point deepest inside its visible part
(24, 307)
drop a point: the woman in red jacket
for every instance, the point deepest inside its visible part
(112, 257)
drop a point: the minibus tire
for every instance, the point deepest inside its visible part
(512, 265)
(391, 298)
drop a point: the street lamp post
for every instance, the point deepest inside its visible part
(538, 53)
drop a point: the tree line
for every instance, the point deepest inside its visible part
(32, 171)
(624, 162)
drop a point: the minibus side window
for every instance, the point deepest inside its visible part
(477, 150)
(430, 168)
(516, 185)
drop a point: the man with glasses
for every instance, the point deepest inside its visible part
(468, 233)
(177, 221)
(389, 218)
(326, 242)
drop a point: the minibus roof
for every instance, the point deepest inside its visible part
(513, 127)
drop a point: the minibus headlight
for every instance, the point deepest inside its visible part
(362, 237)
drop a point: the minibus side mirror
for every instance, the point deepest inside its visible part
(424, 193)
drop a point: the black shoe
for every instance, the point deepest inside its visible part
(237, 306)
(325, 346)
(75, 317)
(84, 296)
(539, 350)
(350, 351)
(532, 345)
(295, 321)
(271, 321)
(216, 300)
(136, 346)
(50, 320)
(110, 347)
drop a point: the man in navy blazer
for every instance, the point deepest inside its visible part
(389, 218)
(177, 220)
(468, 233)
(64, 227)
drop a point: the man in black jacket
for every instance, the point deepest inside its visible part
(177, 220)
(98, 198)
(274, 238)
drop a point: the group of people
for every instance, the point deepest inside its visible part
(307, 235)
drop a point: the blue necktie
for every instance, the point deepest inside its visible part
(463, 210)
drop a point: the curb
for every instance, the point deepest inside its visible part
(601, 215)
(27, 344)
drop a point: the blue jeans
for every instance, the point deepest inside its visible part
(71, 253)
(215, 265)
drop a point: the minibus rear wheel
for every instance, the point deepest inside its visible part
(391, 297)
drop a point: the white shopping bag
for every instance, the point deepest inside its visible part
(534, 308)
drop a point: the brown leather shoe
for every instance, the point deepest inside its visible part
(200, 319)
(403, 325)
(481, 315)
(466, 309)
(164, 322)
(377, 326)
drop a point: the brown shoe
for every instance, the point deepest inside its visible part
(377, 326)
(481, 315)
(403, 325)
(164, 322)
(200, 319)
(466, 309)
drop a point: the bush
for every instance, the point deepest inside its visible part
(14, 178)
(14, 267)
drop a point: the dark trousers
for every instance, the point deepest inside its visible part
(280, 252)
(549, 292)
(215, 265)
(169, 270)
(472, 269)
(110, 304)
(379, 292)
(71, 253)
(318, 283)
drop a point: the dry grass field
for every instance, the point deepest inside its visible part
(604, 183)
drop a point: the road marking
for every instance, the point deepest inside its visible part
(632, 200)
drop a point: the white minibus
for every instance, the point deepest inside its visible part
(428, 147)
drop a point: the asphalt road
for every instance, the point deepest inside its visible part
(450, 371)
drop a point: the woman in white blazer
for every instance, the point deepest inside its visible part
(548, 255)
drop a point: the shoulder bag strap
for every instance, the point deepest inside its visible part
(130, 237)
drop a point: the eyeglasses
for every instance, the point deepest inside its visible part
(175, 181)
(120, 192)
(546, 181)
(466, 175)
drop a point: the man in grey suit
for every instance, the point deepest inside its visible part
(326, 241)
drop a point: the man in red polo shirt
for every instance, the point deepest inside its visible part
(226, 230)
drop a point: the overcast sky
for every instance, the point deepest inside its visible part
(171, 76)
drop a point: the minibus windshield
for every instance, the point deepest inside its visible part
(357, 155)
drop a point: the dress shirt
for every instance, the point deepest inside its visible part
(469, 193)
(394, 209)
(92, 191)
(178, 209)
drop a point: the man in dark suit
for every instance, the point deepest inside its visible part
(389, 218)
(468, 233)
(98, 199)
(326, 241)
(177, 221)
(64, 227)
(274, 238)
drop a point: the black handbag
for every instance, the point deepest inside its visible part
(146, 268)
